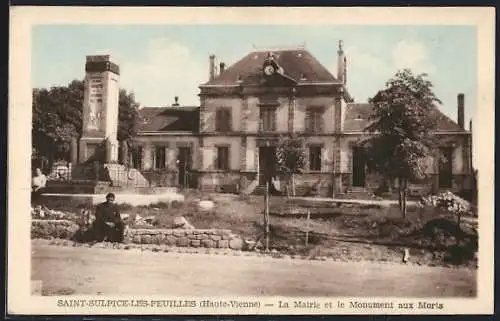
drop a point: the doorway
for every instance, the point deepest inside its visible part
(267, 162)
(184, 166)
(445, 167)
(358, 167)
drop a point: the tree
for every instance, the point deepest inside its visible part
(57, 118)
(402, 130)
(290, 157)
(128, 113)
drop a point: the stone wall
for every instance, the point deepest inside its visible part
(211, 238)
(207, 238)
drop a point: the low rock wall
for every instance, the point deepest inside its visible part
(197, 238)
(211, 238)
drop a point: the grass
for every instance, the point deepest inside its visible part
(343, 231)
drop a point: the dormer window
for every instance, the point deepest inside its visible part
(303, 76)
(359, 117)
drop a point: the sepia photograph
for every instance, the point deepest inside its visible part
(255, 167)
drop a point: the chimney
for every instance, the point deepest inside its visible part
(221, 67)
(212, 67)
(176, 101)
(470, 125)
(460, 110)
(340, 63)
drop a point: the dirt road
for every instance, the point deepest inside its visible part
(82, 270)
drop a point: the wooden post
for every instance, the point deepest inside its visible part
(266, 215)
(307, 227)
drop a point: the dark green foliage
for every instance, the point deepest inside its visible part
(57, 118)
(402, 130)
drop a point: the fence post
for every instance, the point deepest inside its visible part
(266, 215)
(307, 227)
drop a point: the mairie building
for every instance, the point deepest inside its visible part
(230, 138)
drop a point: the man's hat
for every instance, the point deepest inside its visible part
(110, 195)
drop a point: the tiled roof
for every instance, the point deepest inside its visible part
(297, 64)
(357, 119)
(169, 119)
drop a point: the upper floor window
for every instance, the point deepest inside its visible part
(267, 119)
(315, 158)
(223, 120)
(314, 119)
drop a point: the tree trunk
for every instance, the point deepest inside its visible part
(400, 198)
(293, 185)
(405, 185)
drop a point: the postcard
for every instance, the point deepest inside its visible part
(259, 160)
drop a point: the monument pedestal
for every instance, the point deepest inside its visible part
(111, 151)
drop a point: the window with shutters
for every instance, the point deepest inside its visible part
(314, 120)
(223, 120)
(222, 162)
(267, 119)
(160, 157)
(315, 158)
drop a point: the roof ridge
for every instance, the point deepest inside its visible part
(280, 48)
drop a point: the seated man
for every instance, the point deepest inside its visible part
(108, 225)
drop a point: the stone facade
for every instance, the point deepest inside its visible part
(265, 95)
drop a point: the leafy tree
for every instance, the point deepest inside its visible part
(290, 157)
(402, 130)
(128, 113)
(57, 118)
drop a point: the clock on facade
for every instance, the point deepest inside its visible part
(268, 70)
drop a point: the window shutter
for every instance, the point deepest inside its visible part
(229, 120)
(217, 120)
(324, 159)
(215, 157)
(308, 120)
(273, 114)
(153, 158)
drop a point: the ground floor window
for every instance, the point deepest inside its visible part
(222, 162)
(136, 157)
(159, 157)
(315, 158)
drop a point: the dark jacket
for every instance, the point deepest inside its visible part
(107, 212)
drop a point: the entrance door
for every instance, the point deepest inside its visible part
(445, 167)
(267, 162)
(358, 167)
(184, 158)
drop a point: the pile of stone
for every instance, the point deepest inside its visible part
(142, 222)
(42, 212)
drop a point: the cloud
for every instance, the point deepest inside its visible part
(367, 73)
(167, 70)
(412, 55)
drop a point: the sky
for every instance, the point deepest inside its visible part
(158, 62)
